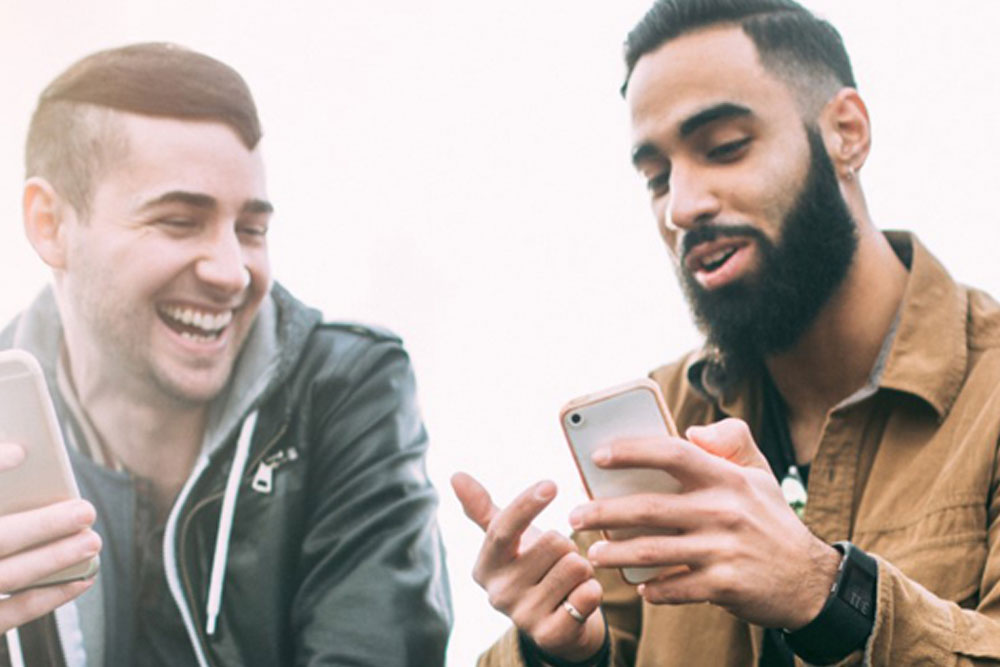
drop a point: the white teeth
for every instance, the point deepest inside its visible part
(206, 321)
(196, 338)
(716, 257)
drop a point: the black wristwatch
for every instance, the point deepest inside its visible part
(846, 620)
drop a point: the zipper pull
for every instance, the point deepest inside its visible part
(263, 479)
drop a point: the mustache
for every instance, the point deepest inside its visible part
(707, 233)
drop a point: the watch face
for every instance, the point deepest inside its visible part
(855, 589)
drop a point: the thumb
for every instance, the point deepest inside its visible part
(730, 439)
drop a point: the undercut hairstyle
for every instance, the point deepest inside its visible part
(74, 136)
(800, 48)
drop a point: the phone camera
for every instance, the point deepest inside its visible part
(575, 419)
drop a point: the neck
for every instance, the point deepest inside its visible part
(153, 435)
(835, 356)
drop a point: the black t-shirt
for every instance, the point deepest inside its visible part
(161, 639)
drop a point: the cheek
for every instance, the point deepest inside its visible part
(259, 264)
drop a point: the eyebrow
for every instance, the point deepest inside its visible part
(717, 112)
(712, 114)
(203, 201)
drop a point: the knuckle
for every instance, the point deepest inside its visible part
(552, 541)
(500, 597)
(725, 582)
(547, 634)
(646, 552)
(737, 426)
(589, 594)
(729, 516)
(497, 535)
(522, 619)
(576, 567)
(648, 511)
(479, 575)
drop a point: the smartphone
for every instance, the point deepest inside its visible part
(632, 410)
(28, 419)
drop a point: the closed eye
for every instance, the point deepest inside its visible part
(729, 151)
(659, 184)
(177, 223)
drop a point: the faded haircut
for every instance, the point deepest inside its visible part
(74, 136)
(797, 46)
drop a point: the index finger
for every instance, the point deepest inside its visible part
(691, 465)
(11, 455)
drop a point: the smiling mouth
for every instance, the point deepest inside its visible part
(715, 260)
(201, 326)
(708, 257)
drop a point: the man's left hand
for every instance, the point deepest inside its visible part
(743, 547)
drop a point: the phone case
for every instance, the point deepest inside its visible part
(28, 418)
(632, 410)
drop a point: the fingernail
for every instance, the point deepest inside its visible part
(640, 589)
(594, 551)
(545, 491)
(576, 518)
(601, 456)
(82, 513)
(92, 546)
(10, 456)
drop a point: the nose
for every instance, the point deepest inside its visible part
(222, 265)
(692, 200)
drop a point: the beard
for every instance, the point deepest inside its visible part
(768, 312)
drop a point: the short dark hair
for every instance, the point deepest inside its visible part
(72, 137)
(790, 39)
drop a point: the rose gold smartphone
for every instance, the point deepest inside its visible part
(632, 410)
(27, 418)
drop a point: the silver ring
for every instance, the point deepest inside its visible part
(574, 612)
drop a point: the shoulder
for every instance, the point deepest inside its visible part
(983, 321)
(341, 356)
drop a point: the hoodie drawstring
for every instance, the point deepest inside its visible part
(14, 648)
(226, 523)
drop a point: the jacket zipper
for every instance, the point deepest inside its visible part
(263, 479)
(198, 641)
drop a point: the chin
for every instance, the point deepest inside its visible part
(197, 388)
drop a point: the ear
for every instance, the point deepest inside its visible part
(846, 132)
(45, 218)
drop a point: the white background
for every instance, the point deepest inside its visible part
(458, 171)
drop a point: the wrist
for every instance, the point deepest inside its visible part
(846, 620)
(824, 566)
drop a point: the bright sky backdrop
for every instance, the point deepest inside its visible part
(458, 171)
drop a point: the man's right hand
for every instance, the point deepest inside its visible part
(529, 574)
(37, 543)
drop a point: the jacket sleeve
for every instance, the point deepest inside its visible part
(374, 589)
(622, 608)
(914, 626)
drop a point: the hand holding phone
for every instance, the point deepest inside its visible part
(635, 410)
(35, 482)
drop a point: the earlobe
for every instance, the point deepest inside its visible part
(44, 220)
(847, 130)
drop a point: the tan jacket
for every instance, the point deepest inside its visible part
(907, 469)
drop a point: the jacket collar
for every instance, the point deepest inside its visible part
(924, 353)
(268, 356)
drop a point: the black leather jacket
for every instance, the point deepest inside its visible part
(334, 555)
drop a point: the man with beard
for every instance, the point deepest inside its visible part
(839, 463)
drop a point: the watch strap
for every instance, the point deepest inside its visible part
(847, 617)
